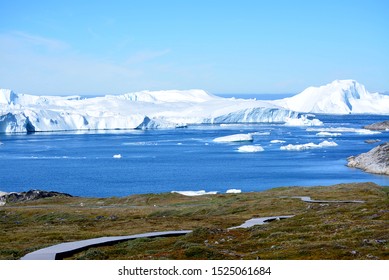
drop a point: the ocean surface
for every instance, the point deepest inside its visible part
(155, 161)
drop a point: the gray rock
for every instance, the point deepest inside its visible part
(378, 126)
(372, 141)
(374, 161)
(29, 195)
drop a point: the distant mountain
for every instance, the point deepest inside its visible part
(338, 97)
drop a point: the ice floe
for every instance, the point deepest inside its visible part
(344, 130)
(301, 147)
(235, 138)
(277, 141)
(328, 134)
(194, 193)
(250, 149)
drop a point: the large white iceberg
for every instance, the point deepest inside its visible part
(140, 110)
(338, 97)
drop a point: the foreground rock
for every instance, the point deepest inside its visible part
(374, 161)
(378, 126)
(29, 195)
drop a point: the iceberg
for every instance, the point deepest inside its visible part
(250, 149)
(139, 110)
(234, 138)
(303, 121)
(328, 134)
(301, 147)
(339, 97)
(344, 129)
(234, 191)
(277, 141)
(194, 193)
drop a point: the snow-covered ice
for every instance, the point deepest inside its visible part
(140, 110)
(338, 97)
(301, 147)
(235, 138)
(250, 149)
(179, 108)
(303, 121)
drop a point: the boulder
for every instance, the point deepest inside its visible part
(374, 161)
(29, 195)
(378, 126)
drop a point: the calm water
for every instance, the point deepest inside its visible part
(157, 161)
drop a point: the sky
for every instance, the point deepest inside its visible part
(259, 46)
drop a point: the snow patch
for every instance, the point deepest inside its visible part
(301, 147)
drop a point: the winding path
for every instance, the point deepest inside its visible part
(63, 250)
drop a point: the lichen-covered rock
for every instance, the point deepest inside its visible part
(29, 195)
(374, 161)
(378, 126)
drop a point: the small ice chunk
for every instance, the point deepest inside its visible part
(277, 141)
(117, 156)
(234, 138)
(301, 147)
(328, 134)
(194, 193)
(250, 149)
(233, 191)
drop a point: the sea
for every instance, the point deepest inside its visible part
(125, 162)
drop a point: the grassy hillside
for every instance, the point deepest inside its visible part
(317, 231)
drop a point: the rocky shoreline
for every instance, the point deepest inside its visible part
(374, 161)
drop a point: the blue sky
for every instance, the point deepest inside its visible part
(101, 47)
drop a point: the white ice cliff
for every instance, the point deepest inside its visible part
(143, 110)
(338, 97)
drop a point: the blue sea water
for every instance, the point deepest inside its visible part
(156, 161)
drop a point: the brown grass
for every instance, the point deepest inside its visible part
(317, 231)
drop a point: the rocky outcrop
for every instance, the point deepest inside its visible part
(374, 161)
(378, 126)
(29, 195)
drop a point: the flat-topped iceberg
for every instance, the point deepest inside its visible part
(250, 149)
(235, 138)
(139, 110)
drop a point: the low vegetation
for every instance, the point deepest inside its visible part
(317, 230)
